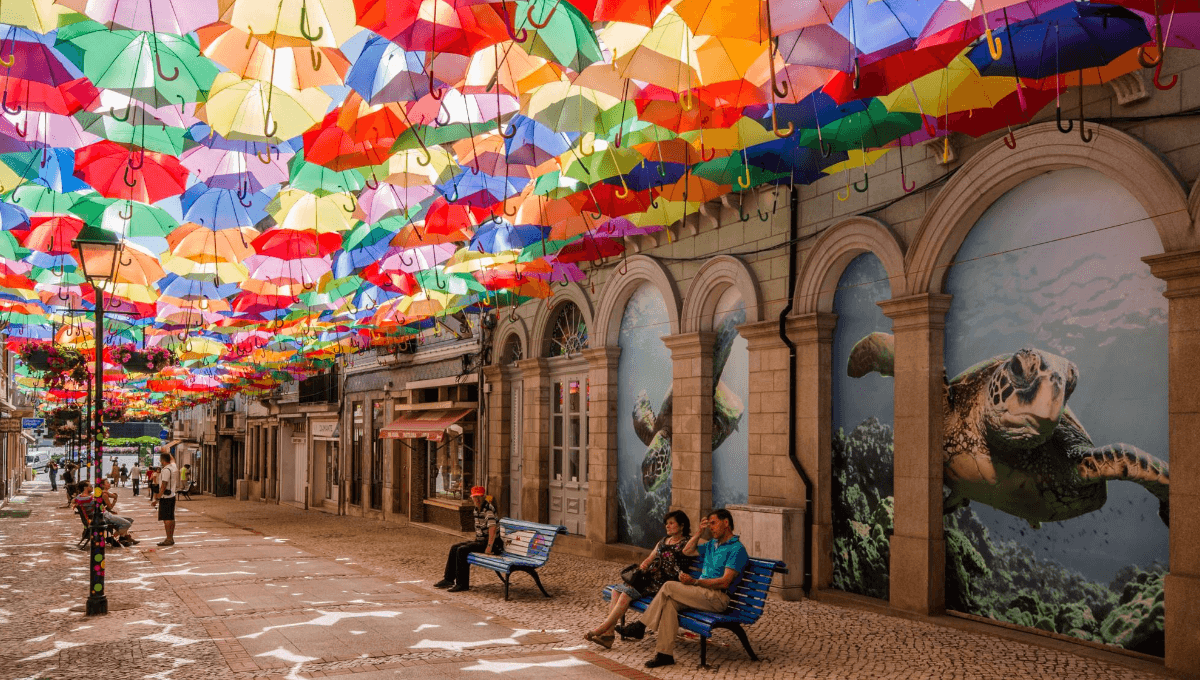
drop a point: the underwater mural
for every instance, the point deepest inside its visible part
(861, 491)
(731, 373)
(644, 422)
(1055, 322)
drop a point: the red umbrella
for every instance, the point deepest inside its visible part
(52, 234)
(391, 280)
(879, 77)
(354, 136)
(38, 81)
(658, 105)
(589, 249)
(472, 26)
(444, 218)
(118, 172)
(289, 244)
(642, 12)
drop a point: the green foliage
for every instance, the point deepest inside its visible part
(862, 508)
(1006, 581)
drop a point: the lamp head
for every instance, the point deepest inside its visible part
(98, 252)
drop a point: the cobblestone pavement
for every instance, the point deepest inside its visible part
(253, 590)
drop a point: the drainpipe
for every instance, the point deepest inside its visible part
(794, 232)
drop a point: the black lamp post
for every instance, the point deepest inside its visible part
(98, 253)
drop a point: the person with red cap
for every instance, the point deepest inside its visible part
(487, 541)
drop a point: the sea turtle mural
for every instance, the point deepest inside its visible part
(1012, 442)
(654, 430)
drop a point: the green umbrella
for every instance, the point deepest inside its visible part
(602, 164)
(553, 185)
(10, 249)
(438, 280)
(121, 216)
(557, 32)
(315, 178)
(37, 198)
(156, 68)
(153, 136)
(413, 137)
(728, 170)
(875, 127)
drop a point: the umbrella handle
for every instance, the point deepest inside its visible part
(438, 118)
(705, 156)
(124, 263)
(304, 28)
(352, 207)
(583, 150)
(763, 216)
(141, 159)
(126, 178)
(126, 215)
(370, 186)
(436, 93)
(744, 180)
(995, 47)
(1147, 62)
(866, 181)
(686, 102)
(266, 160)
(1010, 140)
(843, 195)
(315, 56)
(908, 187)
(1059, 121)
(500, 127)
(12, 56)
(270, 127)
(22, 133)
(1084, 134)
(510, 214)
(546, 21)
(246, 202)
(4, 104)
(826, 149)
(158, 67)
(1157, 74)
(427, 158)
(113, 112)
(508, 25)
(791, 127)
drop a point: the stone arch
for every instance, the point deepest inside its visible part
(625, 278)
(507, 329)
(995, 170)
(1194, 205)
(716, 276)
(545, 315)
(829, 256)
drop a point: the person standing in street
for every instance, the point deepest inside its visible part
(152, 482)
(69, 483)
(136, 475)
(124, 475)
(168, 484)
(457, 576)
(52, 470)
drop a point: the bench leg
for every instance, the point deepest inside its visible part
(504, 580)
(740, 632)
(538, 581)
(704, 652)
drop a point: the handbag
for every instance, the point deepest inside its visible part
(635, 578)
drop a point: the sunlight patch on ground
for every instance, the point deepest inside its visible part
(511, 666)
(327, 619)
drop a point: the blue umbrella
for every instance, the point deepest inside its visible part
(533, 143)
(385, 72)
(218, 208)
(1068, 38)
(495, 237)
(481, 190)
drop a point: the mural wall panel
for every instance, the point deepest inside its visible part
(862, 433)
(731, 393)
(1056, 432)
(644, 419)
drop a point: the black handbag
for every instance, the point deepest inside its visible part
(635, 578)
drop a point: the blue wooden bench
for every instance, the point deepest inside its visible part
(526, 548)
(745, 605)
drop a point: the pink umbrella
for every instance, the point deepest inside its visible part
(163, 16)
(389, 199)
(49, 129)
(559, 272)
(231, 169)
(306, 271)
(412, 260)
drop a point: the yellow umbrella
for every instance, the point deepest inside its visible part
(191, 241)
(514, 71)
(255, 110)
(326, 23)
(40, 16)
(291, 63)
(299, 210)
(856, 159)
(958, 87)
(138, 266)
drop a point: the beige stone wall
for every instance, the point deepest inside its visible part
(915, 236)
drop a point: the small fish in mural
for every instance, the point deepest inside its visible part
(1012, 442)
(655, 430)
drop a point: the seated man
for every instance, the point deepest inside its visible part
(121, 524)
(457, 576)
(722, 560)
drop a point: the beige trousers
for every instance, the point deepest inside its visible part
(662, 616)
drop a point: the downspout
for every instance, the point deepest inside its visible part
(793, 234)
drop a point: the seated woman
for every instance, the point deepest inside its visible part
(662, 565)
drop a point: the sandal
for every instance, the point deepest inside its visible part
(605, 641)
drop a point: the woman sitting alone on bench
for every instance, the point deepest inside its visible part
(663, 564)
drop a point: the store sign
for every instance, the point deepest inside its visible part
(324, 428)
(32, 423)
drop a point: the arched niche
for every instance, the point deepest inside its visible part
(835, 249)
(718, 275)
(995, 170)
(625, 279)
(548, 312)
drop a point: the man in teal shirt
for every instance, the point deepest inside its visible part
(723, 558)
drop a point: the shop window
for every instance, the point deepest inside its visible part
(512, 350)
(452, 466)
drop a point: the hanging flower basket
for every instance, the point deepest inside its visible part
(143, 360)
(49, 357)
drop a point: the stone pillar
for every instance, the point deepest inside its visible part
(1181, 271)
(773, 481)
(918, 552)
(535, 482)
(691, 421)
(273, 463)
(602, 443)
(499, 429)
(813, 335)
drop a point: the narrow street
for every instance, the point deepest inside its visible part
(253, 591)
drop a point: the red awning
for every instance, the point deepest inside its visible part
(430, 425)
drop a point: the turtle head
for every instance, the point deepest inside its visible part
(1027, 395)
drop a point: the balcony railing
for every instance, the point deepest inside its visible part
(320, 389)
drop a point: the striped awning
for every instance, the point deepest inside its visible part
(429, 425)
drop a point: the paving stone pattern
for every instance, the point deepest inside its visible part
(264, 591)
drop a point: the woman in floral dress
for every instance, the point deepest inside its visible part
(663, 564)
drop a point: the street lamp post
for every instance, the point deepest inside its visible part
(99, 252)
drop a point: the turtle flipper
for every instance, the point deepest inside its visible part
(876, 352)
(643, 419)
(1129, 463)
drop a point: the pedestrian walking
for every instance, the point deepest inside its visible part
(69, 483)
(168, 484)
(152, 482)
(136, 475)
(124, 475)
(114, 473)
(457, 576)
(52, 470)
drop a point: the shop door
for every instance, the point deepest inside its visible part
(516, 451)
(568, 454)
(301, 474)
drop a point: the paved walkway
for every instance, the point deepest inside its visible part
(254, 590)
